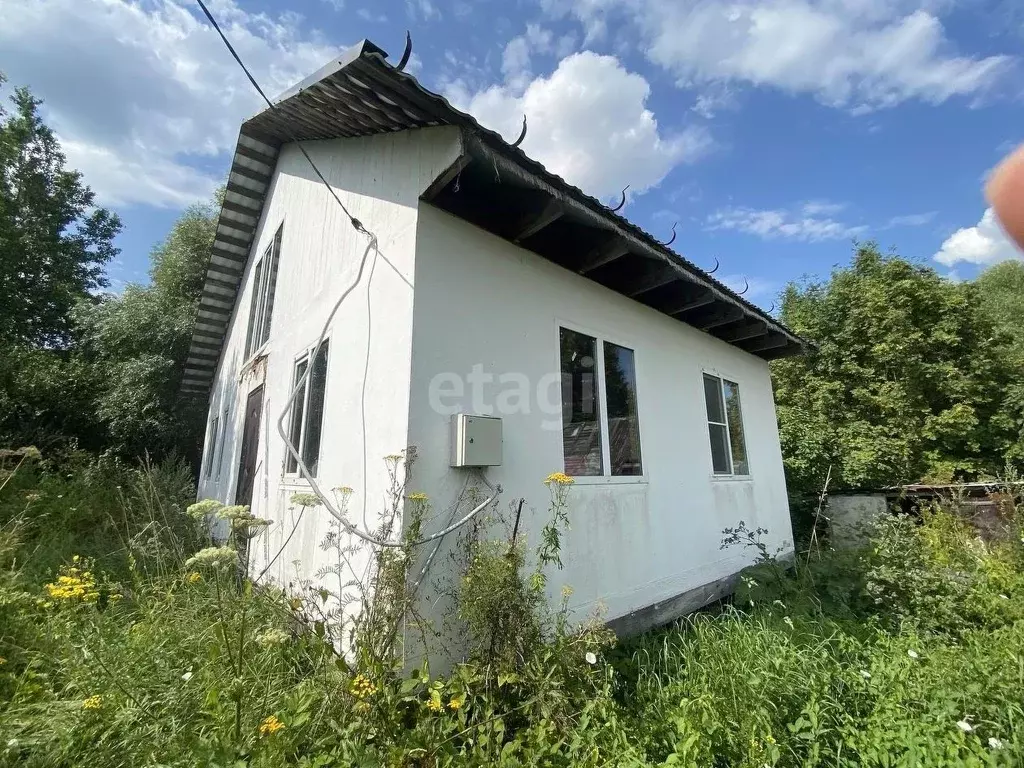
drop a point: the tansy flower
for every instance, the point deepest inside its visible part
(558, 478)
(93, 702)
(193, 577)
(270, 726)
(362, 687)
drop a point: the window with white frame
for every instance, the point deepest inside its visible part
(308, 411)
(725, 426)
(261, 308)
(211, 449)
(600, 427)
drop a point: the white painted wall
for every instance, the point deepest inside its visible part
(633, 542)
(380, 179)
(479, 300)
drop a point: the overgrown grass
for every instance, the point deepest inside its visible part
(908, 653)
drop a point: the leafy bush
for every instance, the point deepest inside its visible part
(155, 651)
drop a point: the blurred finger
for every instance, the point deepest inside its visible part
(1005, 191)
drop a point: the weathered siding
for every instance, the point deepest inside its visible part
(365, 418)
(634, 541)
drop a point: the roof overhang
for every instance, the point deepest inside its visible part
(493, 185)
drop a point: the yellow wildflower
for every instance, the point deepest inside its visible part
(456, 702)
(345, 490)
(362, 687)
(418, 496)
(2, 661)
(558, 478)
(73, 584)
(193, 577)
(93, 702)
(270, 726)
(434, 704)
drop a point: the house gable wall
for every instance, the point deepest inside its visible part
(380, 179)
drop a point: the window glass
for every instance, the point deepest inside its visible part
(254, 309)
(298, 408)
(581, 422)
(735, 420)
(212, 448)
(264, 281)
(223, 439)
(713, 399)
(719, 449)
(315, 411)
(623, 425)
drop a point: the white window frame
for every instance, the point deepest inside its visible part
(305, 355)
(606, 477)
(722, 378)
(260, 313)
(211, 451)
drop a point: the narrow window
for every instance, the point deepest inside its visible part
(306, 427)
(725, 426)
(298, 409)
(212, 448)
(223, 439)
(592, 417)
(581, 422)
(315, 411)
(623, 425)
(261, 308)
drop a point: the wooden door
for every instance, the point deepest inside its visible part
(250, 447)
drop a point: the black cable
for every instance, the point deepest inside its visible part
(352, 219)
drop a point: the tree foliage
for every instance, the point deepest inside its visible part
(97, 372)
(53, 241)
(908, 381)
(140, 341)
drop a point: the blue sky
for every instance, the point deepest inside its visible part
(774, 132)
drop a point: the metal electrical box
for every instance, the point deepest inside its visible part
(476, 441)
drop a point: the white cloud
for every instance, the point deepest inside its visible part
(983, 244)
(367, 15)
(771, 224)
(143, 94)
(855, 54)
(421, 9)
(588, 122)
(912, 219)
(821, 207)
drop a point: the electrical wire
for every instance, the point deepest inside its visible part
(291, 136)
(372, 244)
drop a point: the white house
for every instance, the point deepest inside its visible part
(497, 289)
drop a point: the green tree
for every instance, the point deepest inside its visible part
(907, 382)
(53, 240)
(140, 340)
(1001, 289)
(53, 245)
